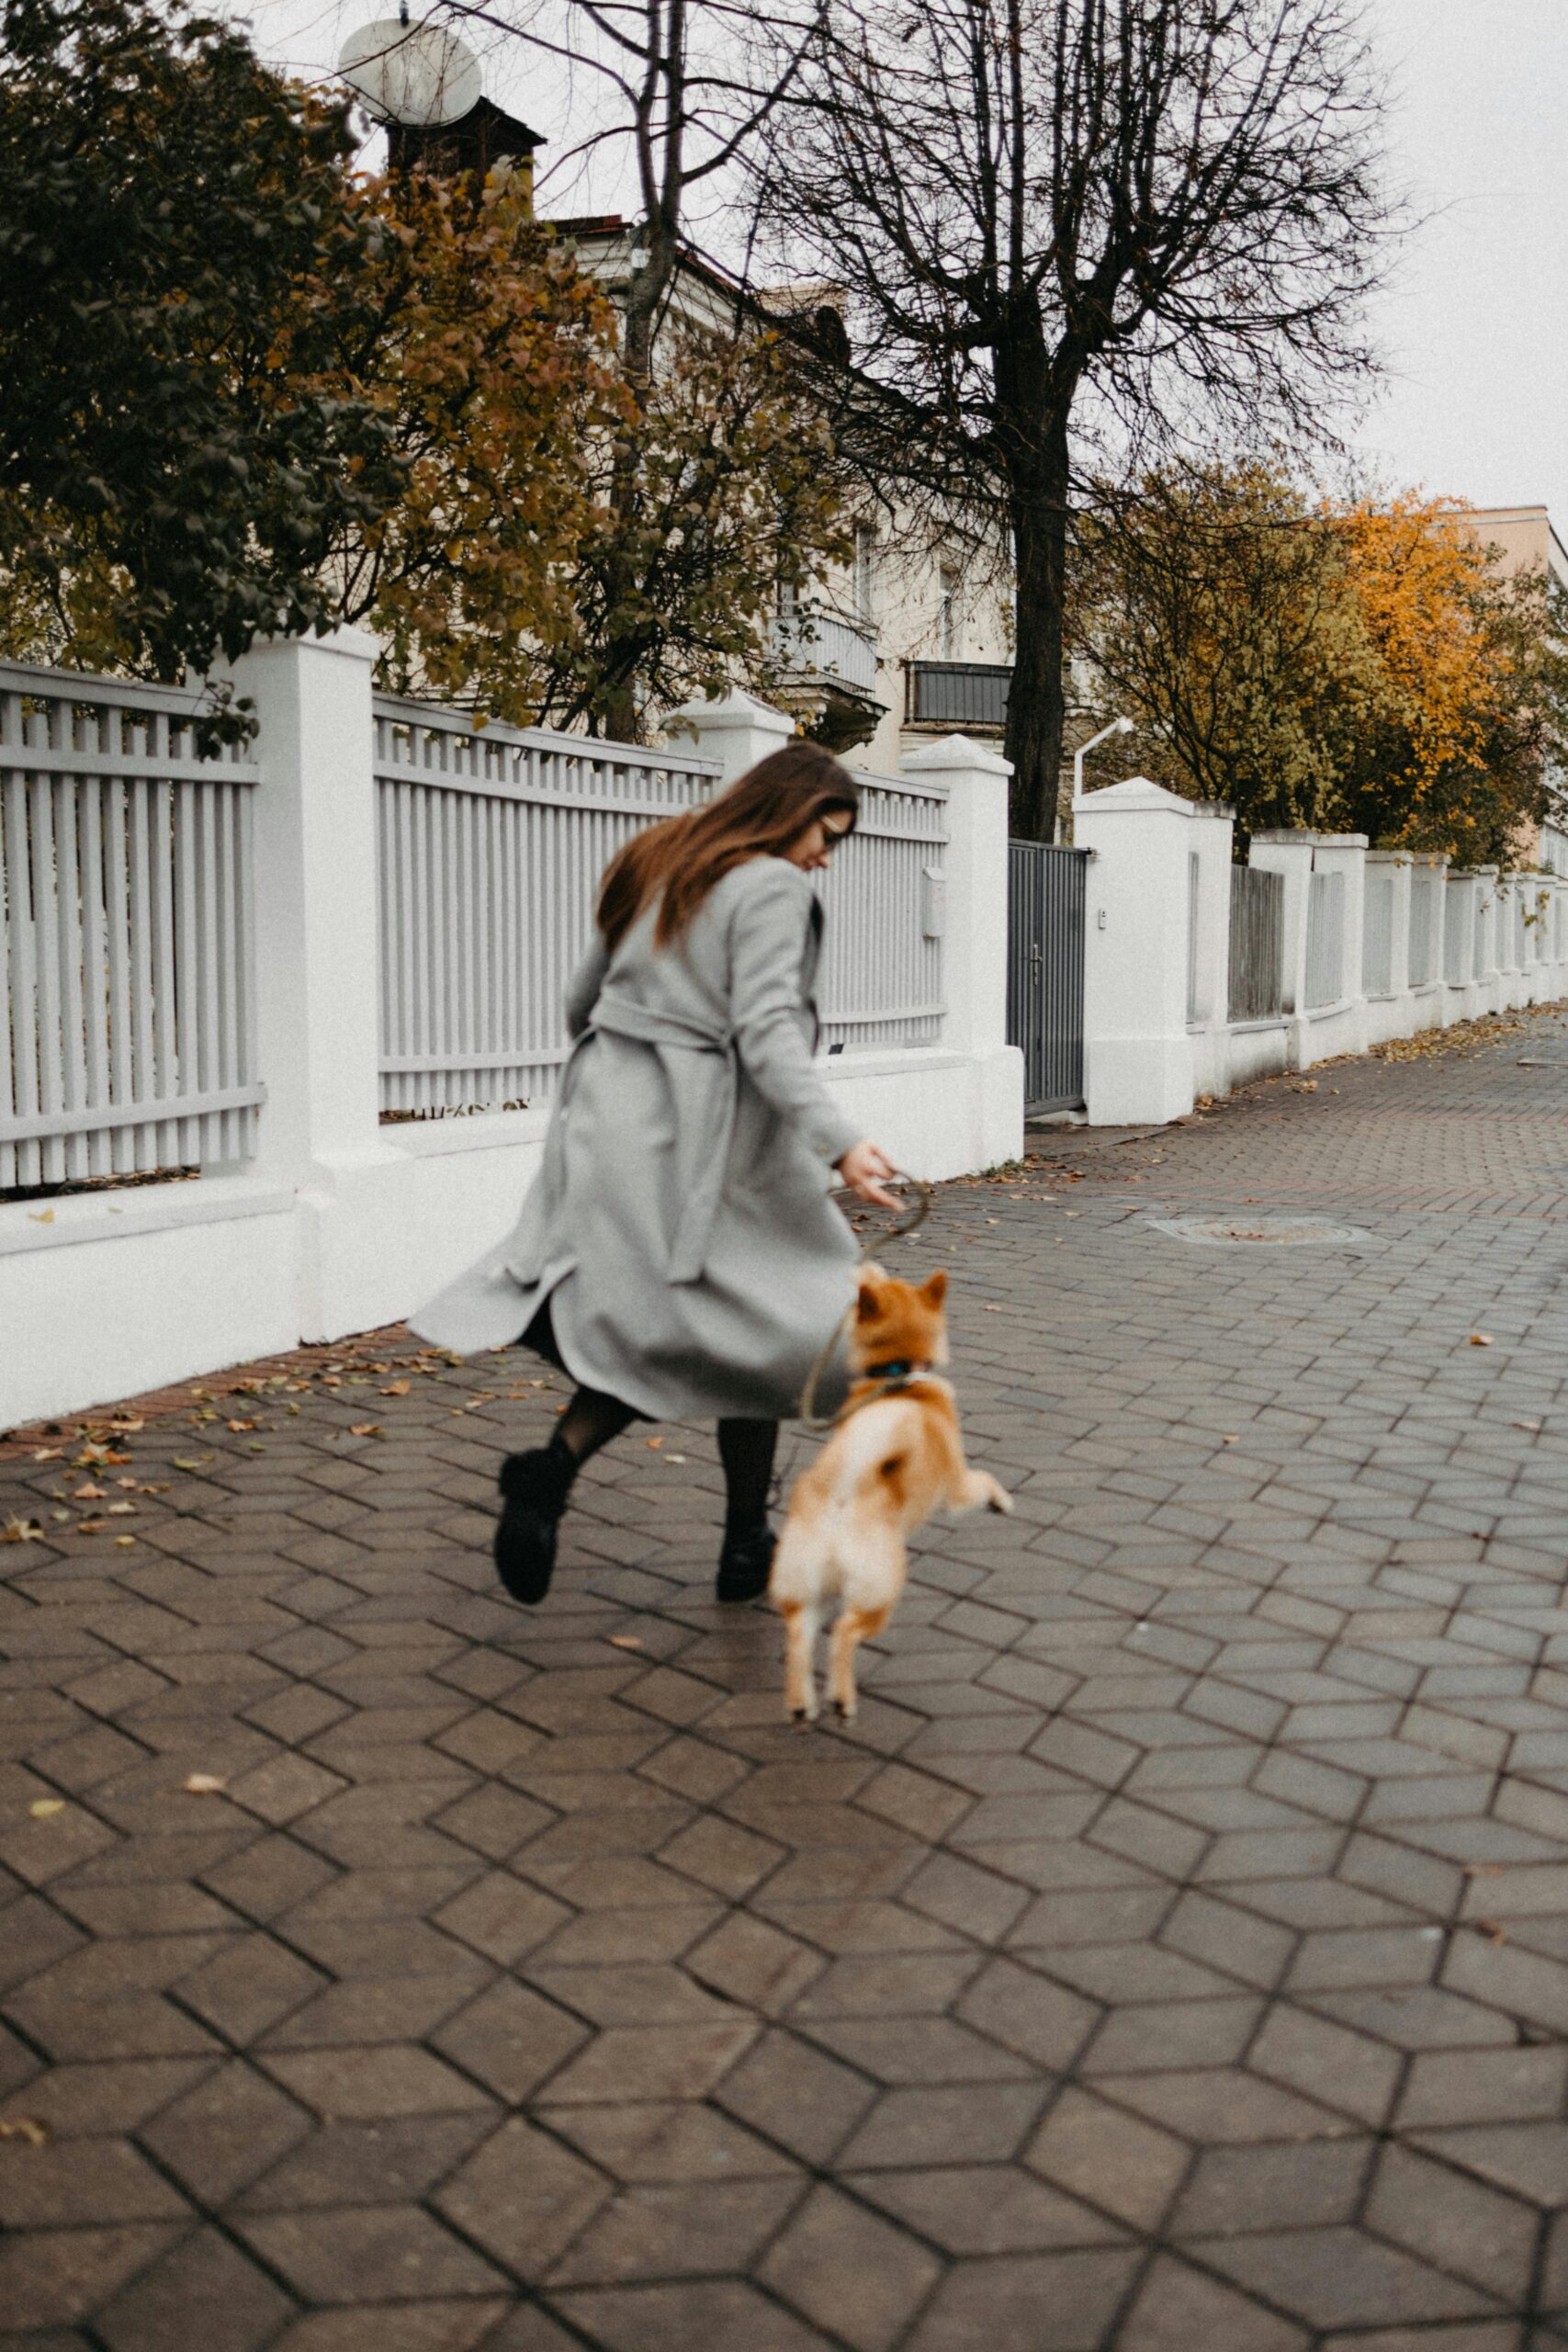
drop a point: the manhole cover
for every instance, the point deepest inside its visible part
(1268, 1232)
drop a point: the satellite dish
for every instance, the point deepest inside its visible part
(418, 74)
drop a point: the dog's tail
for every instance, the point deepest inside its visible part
(874, 1447)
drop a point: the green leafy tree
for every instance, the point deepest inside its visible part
(183, 269)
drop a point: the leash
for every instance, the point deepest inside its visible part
(909, 1222)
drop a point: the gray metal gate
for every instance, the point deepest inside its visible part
(1045, 933)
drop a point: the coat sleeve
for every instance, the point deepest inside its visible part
(583, 988)
(767, 950)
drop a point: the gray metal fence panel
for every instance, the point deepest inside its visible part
(1046, 952)
(1425, 924)
(958, 694)
(1377, 936)
(1325, 940)
(1258, 907)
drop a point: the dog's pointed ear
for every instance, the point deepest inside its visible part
(868, 1302)
(936, 1288)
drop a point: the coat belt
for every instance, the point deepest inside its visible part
(700, 1064)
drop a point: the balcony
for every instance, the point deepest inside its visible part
(817, 646)
(826, 677)
(970, 695)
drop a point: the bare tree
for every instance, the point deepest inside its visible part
(692, 84)
(1069, 230)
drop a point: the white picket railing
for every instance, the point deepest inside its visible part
(124, 933)
(881, 978)
(490, 843)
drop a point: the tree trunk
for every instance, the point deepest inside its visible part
(1036, 704)
(615, 712)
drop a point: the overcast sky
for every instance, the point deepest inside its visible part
(1474, 326)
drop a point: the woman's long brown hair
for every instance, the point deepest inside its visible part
(763, 814)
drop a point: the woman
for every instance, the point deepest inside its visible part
(678, 1254)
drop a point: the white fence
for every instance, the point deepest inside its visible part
(881, 969)
(488, 847)
(374, 910)
(1370, 946)
(124, 934)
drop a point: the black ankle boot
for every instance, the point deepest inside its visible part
(744, 1560)
(534, 1488)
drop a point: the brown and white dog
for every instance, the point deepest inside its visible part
(896, 1456)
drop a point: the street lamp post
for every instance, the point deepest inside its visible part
(1116, 727)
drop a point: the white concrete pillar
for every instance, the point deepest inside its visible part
(738, 732)
(1385, 965)
(317, 960)
(1486, 938)
(1209, 843)
(1137, 1052)
(974, 933)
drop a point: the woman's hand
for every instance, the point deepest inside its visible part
(862, 1166)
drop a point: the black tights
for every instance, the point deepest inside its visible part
(745, 1448)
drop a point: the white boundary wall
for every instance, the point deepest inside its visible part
(1376, 944)
(340, 1222)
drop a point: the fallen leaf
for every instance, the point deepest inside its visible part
(191, 1461)
(398, 1388)
(48, 1452)
(90, 1527)
(204, 1784)
(653, 1444)
(41, 1217)
(1533, 1426)
(625, 1642)
(88, 1493)
(364, 1429)
(125, 1542)
(1480, 1340)
(238, 1426)
(1230, 1441)
(1492, 1930)
(122, 1510)
(21, 1531)
(44, 1808)
(124, 1426)
(24, 2127)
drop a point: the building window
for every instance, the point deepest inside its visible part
(949, 617)
(865, 557)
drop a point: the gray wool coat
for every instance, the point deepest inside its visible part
(680, 1225)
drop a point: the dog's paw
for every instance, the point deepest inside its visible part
(845, 1709)
(999, 1499)
(803, 1717)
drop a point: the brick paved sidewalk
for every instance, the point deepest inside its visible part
(1174, 1957)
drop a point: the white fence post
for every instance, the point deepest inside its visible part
(1137, 1052)
(974, 933)
(1487, 928)
(1290, 853)
(736, 731)
(317, 964)
(1385, 952)
(1210, 845)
